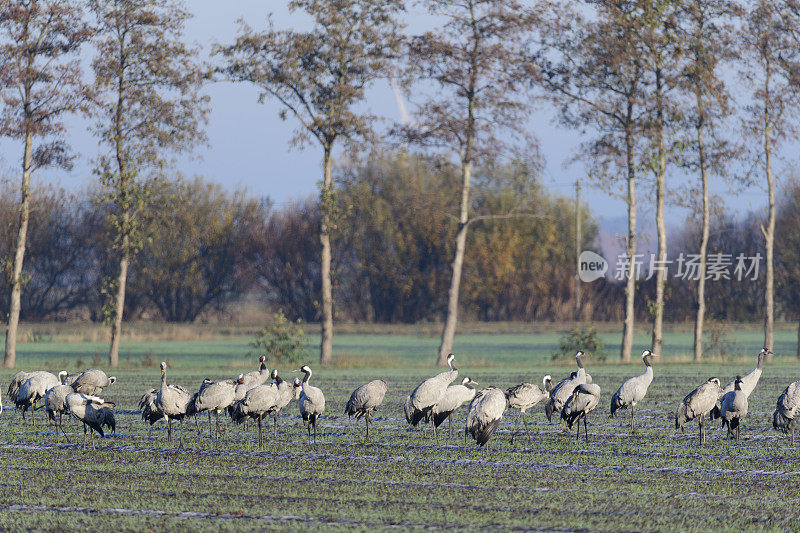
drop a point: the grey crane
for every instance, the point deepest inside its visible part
(453, 398)
(365, 400)
(147, 404)
(428, 393)
(749, 383)
(265, 400)
(18, 379)
(485, 413)
(94, 412)
(312, 403)
(582, 401)
(173, 402)
(55, 403)
(249, 380)
(634, 389)
(34, 389)
(215, 397)
(786, 408)
(734, 409)
(92, 382)
(525, 396)
(562, 392)
(697, 404)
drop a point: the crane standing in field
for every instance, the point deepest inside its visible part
(561, 393)
(172, 401)
(634, 390)
(697, 404)
(485, 413)
(786, 409)
(421, 401)
(582, 401)
(454, 397)
(749, 383)
(312, 403)
(365, 400)
(734, 409)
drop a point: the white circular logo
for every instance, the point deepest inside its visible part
(591, 266)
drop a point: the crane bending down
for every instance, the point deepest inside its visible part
(697, 404)
(583, 401)
(454, 397)
(94, 412)
(786, 409)
(485, 413)
(365, 400)
(525, 396)
(634, 389)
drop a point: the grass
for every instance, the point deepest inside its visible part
(654, 480)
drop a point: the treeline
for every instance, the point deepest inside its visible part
(206, 248)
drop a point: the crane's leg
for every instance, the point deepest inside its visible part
(275, 427)
(585, 429)
(525, 423)
(180, 435)
(169, 430)
(366, 418)
(633, 426)
(218, 432)
(61, 425)
(91, 436)
(450, 421)
(210, 430)
(433, 425)
(260, 439)
(701, 430)
(197, 425)
(578, 434)
(514, 433)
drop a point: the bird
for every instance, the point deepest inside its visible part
(92, 382)
(749, 383)
(18, 379)
(365, 400)
(94, 412)
(215, 397)
(527, 395)
(734, 409)
(34, 389)
(634, 389)
(248, 381)
(581, 402)
(454, 397)
(54, 403)
(312, 403)
(485, 413)
(266, 400)
(428, 393)
(561, 392)
(172, 401)
(697, 404)
(786, 408)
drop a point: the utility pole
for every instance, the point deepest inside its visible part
(577, 248)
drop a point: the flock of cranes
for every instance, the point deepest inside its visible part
(262, 394)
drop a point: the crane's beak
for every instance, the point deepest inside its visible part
(474, 382)
(298, 370)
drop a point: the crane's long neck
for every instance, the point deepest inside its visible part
(579, 362)
(307, 376)
(164, 379)
(263, 367)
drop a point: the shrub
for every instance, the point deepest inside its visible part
(282, 340)
(586, 340)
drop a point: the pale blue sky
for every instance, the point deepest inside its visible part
(249, 144)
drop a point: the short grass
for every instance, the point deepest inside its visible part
(656, 479)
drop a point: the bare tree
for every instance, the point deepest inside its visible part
(40, 83)
(149, 105)
(705, 32)
(597, 71)
(476, 61)
(767, 48)
(320, 78)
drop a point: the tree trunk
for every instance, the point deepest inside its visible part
(701, 283)
(769, 241)
(578, 245)
(10, 352)
(119, 304)
(658, 316)
(630, 251)
(326, 323)
(451, 319)
(798, 341)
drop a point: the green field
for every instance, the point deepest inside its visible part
(654, 480)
